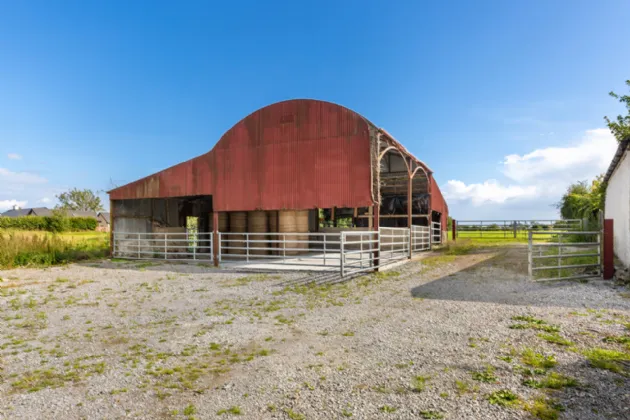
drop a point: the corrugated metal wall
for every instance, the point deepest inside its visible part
(297, 154)
(438, 203)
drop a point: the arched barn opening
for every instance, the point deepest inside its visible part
(289, 179)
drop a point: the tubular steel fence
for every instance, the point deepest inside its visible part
(436, 232)
(163, 246)
(420, 238)
(511, 229)
(570, 255)
(350, 251)
(297, 249)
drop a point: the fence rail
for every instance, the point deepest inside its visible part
(350, 252)
(420, 238)
(571, 259)
(509, 229)
(163, 246)
(436, 232)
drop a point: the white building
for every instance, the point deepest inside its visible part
(617, 206)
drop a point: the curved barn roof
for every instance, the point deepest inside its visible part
(294, 154)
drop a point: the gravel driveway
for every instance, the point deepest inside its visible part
(457, 337)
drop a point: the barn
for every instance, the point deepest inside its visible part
(300, 166)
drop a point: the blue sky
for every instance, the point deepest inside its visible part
(502, 100)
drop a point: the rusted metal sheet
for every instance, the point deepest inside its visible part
(438, 203)
(297, 154)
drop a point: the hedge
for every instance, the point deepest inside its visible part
(49, 223)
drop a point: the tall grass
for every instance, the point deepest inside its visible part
(41, 250)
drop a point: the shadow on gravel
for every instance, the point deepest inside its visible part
(296, 278)
(496, 280)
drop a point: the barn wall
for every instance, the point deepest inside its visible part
(438, 203)
(618, 208)
(299, 154)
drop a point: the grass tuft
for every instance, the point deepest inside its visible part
(504, 398)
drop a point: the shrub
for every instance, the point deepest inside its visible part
(56, 223)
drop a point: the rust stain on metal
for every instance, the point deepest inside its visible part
(297, 154)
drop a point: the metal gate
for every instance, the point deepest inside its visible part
(561, 255)
(436, 232)
(163, 246)
(420, 238)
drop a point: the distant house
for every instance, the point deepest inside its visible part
(18, 212)
(82, 213)
(617, 205)
(103, 221)
(41, 211)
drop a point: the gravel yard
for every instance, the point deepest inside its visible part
(455, 337)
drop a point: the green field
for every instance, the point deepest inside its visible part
(41, 249)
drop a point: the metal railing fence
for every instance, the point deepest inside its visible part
(507, 229)
(420, 238)
(574, 255)
(353, 260)
(163, 246)
(436, 232)
(350, 251)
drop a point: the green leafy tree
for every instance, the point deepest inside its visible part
(621, 126)
(582, 200)
(76, 199)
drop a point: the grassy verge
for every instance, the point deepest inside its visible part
(41, 249)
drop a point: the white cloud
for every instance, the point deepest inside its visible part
(593, 153)
(45, 200)
(14, 156)
(536, 180)
(489, 191)
(8, 204)
(18, 181)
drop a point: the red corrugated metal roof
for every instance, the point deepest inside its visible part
(297, 154)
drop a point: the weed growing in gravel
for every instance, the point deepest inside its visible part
(419, 383)
(463, 387)
(618, 339)
(235, 410)
(293, 415)
(543, 408)
(348, 334)
(430, 414)
(189, 410)
(385, 274)
(529, 322)
(504, 398)
(486, 375)
(388, 409)
(346, 413)
(611, 360)
(506, 359)
(552, 381)
(537, 360)
(431, 263)
(51, 378)
(555, 338)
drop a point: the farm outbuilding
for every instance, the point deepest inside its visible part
(617, 206)
(307, 165)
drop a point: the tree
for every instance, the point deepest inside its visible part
(582, 200)
(621, 126)
(76, 199)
